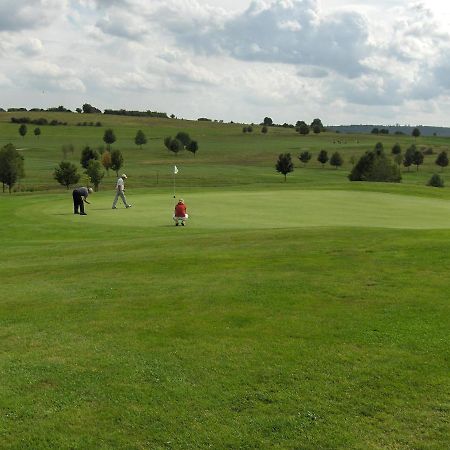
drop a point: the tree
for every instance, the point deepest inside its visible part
(379, 147)
(66, 174)
(375, 130)
(304, 157)
(396, 149)
(183, 137)
(302, 128)
(398, 159)
(284, 164)
(140, 138)
(375, 166)
(86, 155)
(408, 157)
(106, 161)
(417, 158)
(95, 173)
(37, 132)
(416, 132)
(316, 124)
(435, 181)
(336, 160)
(11, 166)
(268, 121)
(442, 160)
(167, 142)
(264, 129)
(175, 146)
(116, 161)
(23, 130)
(323, 157)
(109, 138)
(89, 109)
(192, 147)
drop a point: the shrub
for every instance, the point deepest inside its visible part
(375, 166)
(435, 181)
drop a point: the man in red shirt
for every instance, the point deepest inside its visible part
(180, 215)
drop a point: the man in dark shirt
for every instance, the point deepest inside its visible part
(79, 198)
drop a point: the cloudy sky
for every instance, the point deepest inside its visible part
(345, 61)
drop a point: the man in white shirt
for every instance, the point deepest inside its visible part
(120, 189)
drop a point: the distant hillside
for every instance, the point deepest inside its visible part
(405, 129)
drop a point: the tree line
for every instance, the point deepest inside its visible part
(374, 165)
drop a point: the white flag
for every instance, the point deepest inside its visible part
(175, 169)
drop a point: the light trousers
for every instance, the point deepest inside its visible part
(122, 196)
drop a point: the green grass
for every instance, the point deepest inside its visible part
(311, 314)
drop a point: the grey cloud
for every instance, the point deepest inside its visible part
(28, 14)
(371, 90)
(312, 72)
(291, 32)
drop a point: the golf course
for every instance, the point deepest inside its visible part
(311, 313)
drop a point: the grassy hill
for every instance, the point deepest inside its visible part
(227, 157)
(311, 314)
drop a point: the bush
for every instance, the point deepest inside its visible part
(375, 166)
(436, 181)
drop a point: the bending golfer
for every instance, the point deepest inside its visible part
(120, 189)
(180, 215)
(79, 199)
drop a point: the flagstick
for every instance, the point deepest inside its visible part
(174, 185)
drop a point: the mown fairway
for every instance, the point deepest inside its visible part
(311, 314)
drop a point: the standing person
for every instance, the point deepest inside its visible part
(120, 189)
(79, 199)
(180, 215)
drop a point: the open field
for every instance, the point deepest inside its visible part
(311, 314)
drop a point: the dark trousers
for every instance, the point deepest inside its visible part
(77, 202)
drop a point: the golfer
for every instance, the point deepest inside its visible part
(79, 199)
(180, 215)
(120, 189)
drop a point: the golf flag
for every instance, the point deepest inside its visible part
(175, 170)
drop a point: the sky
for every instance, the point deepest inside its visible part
(346, 62)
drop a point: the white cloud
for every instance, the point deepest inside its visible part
(123, 24)
(31, 47)
(43, 75)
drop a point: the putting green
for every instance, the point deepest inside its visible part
(268, 209)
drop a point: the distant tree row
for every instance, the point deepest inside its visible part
(89, 124)
(303, 128)
(41, 121)
(285, 165)
(416, 156)
(181, 141)
(53, 109)
(249, 129)
(23, 130)
(415, 132)
(66, 173)
(124, 112)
